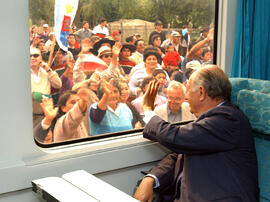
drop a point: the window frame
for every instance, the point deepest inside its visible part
(133, 132)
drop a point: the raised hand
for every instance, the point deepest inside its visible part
(108, 89)
(45, 66)
(49, 111)
(36, 40)
(69, 70)
(116, 48)
(83, 93)
(150, 96)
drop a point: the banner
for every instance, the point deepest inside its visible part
(64, 13)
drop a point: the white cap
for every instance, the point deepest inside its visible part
(34, 51)
(45, 25)
(175, 34)
(104, 50)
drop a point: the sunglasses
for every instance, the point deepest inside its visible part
(174, 98)
(106, 56)
(34, 55)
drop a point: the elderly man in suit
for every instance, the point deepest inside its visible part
(175, 109)
(214, 157)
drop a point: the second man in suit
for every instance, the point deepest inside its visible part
(175, 109)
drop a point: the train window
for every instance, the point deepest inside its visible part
(91, 62)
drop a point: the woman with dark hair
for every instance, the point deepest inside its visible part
(160, 75)
(156, 42)
(150, 59)
(33, 33)
(109, 115)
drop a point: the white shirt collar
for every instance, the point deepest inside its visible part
(220, 104)
(117, 110)
(35, 77)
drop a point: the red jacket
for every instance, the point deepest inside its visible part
(171, 58)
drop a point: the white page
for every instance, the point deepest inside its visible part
(97, 188)
(63, 190)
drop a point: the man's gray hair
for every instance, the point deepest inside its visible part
(177, 85)
(214, 80)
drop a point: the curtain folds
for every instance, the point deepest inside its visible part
(251, 57)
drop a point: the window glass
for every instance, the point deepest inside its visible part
(91, 62)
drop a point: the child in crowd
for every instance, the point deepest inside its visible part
(171, 59)
(160, 75)
(124, 97)
(69, 123)
(65, 122)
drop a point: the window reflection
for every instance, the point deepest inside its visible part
(114, 51)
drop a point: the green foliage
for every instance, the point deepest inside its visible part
(174, 12)
(41, 11)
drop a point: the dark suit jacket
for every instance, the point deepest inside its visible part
(214, 154)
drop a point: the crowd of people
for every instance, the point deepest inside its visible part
(101, 86)
(97, 86)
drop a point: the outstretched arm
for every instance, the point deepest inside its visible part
(83, 94)
(97, 113)
(197, 46)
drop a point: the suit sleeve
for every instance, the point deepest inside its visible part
(216, 133)
(164, 170)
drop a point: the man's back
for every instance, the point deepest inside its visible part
(219, 161)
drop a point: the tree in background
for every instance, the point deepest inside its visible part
(41, 12)
(174, 12)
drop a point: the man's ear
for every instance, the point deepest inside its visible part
(202, 93)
